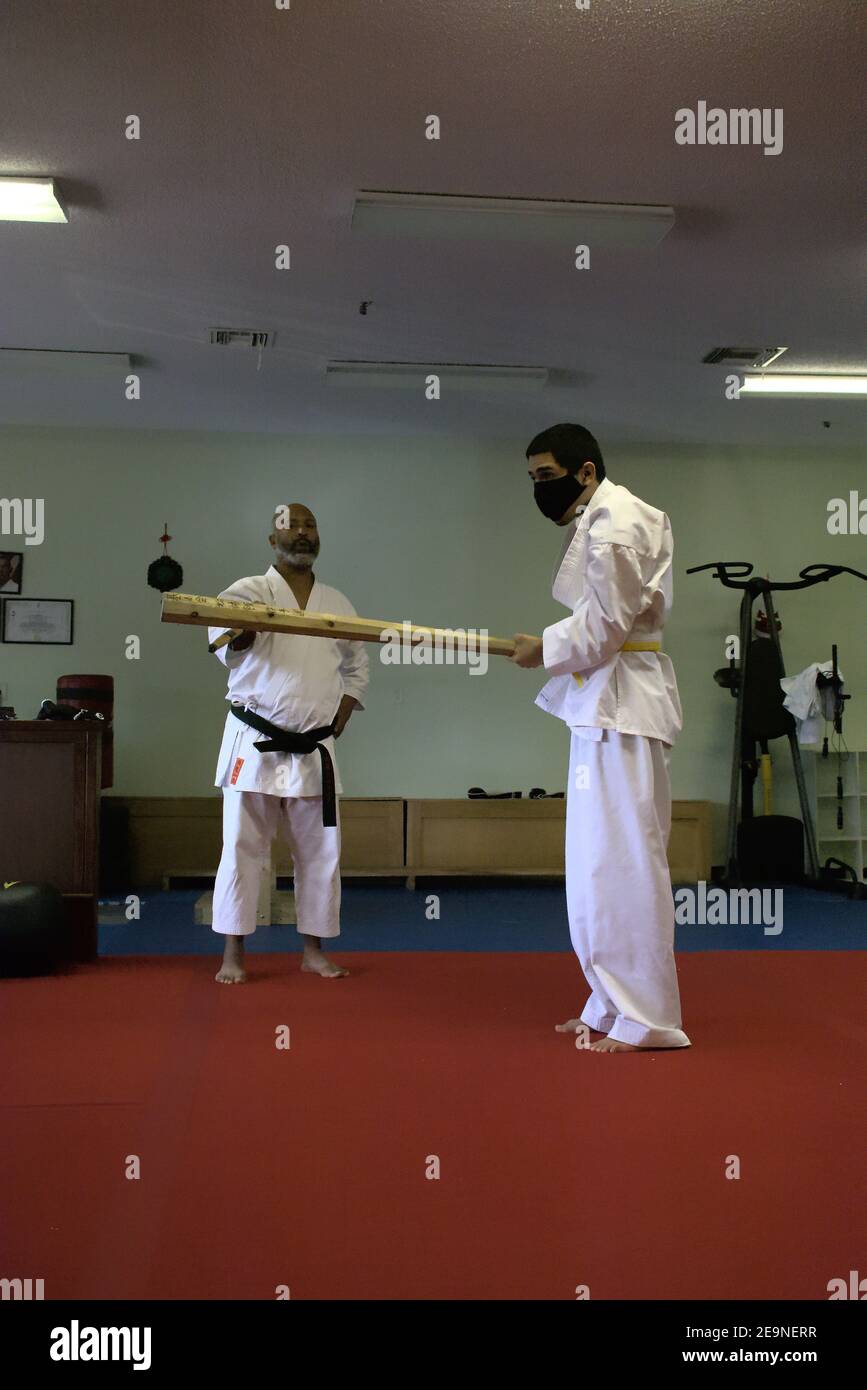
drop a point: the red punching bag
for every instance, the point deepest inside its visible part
(94, 693)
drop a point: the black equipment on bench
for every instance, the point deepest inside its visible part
(772, 847)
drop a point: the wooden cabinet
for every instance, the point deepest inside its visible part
(177, 838)
(526, 838)
(49, 816)
(172, 839)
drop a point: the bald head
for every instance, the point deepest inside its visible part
(294, 535)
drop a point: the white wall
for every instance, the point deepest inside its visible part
(438, 532)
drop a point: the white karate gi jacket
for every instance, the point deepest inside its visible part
(809, 704)
(616, 577)
(296, 682)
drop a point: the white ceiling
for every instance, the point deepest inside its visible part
(259, 125)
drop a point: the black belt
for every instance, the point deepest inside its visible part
(284, 741)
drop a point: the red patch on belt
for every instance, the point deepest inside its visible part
(239, 763)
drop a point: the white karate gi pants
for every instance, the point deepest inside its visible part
(618, 888)
(251, 820)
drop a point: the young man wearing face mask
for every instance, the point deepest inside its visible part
(615, 688)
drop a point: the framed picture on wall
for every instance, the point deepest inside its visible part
(11, 565)
(43, 620)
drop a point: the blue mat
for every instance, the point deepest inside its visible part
(477, 917)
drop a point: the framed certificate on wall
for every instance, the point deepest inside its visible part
(43, 620)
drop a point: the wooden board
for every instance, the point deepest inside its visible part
(199, 610)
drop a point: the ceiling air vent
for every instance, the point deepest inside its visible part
(255, 338)
(744, 357)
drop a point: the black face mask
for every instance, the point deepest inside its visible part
(555, 496)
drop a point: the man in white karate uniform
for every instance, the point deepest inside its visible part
(274, 779)
(616, 690)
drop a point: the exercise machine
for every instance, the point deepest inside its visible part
(770, 847)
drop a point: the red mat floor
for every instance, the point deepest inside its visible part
(306, 1167)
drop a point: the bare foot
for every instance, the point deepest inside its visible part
(232, 971)
(315, 962)
(609, 1045)
(231, 975)
(571, 1026)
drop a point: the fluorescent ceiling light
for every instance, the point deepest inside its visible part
(70, 363)
(791, 384)
(616, 225)
(412, 375)
(30, 200)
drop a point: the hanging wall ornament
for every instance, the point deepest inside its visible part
(165, 573)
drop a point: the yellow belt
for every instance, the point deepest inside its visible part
(627, 647)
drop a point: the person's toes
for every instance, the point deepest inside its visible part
(326, 968)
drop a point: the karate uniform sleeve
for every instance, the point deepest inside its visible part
(225, 654)
(605, 613)
(354, 664)
(354, 670)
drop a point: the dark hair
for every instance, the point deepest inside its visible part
(571, 445)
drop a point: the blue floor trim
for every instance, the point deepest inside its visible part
(473, 917)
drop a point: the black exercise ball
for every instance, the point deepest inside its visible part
(32, 920)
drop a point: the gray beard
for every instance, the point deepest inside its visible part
(298, 559)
